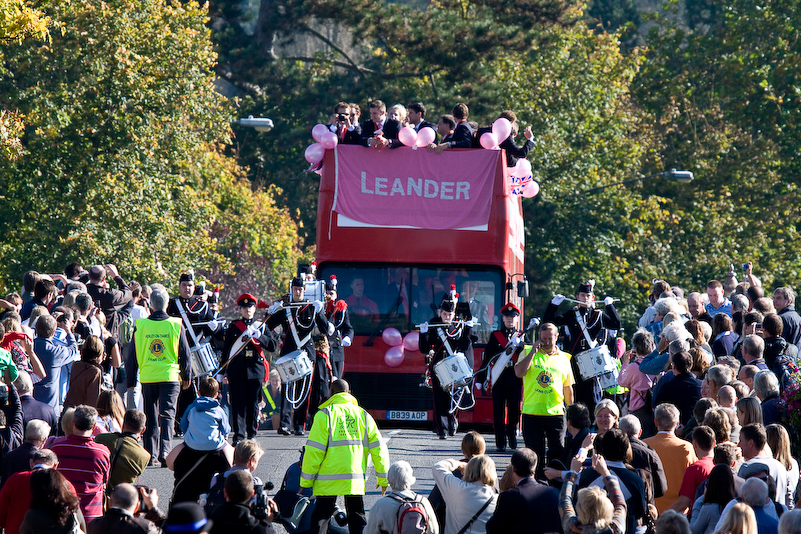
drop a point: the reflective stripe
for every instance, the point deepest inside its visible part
(374, 444)
(342, 442)
(366, 430)
(345, 476)
(317, 445)
(380, 475)
(307, 476)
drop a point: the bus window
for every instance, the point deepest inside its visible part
(384, 296)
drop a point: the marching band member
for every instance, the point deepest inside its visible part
(336, 311)
(246, 368)
(439, 342)
(587, 327)
(199, 321)
(298, 320)
(507, 391)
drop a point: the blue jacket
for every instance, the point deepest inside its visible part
(53, 358)
(205, 425)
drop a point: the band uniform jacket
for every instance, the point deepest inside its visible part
(508, 379)
(197, 311)
(594, 319)
(340, 318)
(305, 319)
(249, 363)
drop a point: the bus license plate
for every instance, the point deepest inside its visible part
(405, 415)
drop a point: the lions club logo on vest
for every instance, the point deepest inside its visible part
(544, 379)
(157, 347)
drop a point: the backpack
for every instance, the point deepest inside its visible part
(412, 517)
(126, 330)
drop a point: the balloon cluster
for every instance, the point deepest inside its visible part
(409, 137)
(325, 139)
(521, 181)
(397, 343)
(501, 130)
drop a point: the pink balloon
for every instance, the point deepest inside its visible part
(329, 140)
(412, 340)
(315, 153)
(318, 131)
(502, 128)
(392, 337)
(425, 137)
(489, 140)
(531, 190)
(523, 168)
(394, 356)
(407, 136)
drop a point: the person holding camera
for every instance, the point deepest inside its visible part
(121, 516)
(348, 132)
(235, 514)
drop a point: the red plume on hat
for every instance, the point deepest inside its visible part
(454, 294)
(341, 305)
(262, 305)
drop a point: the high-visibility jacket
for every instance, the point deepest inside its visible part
(157, 350)
(335, 458)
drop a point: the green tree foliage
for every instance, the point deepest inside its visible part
(16, 21)
(723, 94)
(125, 157)
(570, 83)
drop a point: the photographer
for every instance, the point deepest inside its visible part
(121, 516)
(348, 131)
(235, 515)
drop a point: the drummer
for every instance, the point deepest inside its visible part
(192, 307)
(587, 327)
(439, 342)
(507, 391)
(247, 367)
(298, 318)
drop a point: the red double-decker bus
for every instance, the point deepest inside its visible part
(398, 228)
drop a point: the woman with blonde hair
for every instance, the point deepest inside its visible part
(470, 501)
(739, 520)
(779, 443)
(594, 511)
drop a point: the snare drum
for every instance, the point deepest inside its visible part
(204, 360)
(294, 366)
(595, 362)
(453, 370)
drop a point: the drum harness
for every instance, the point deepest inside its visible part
(295, 397)
(197, 340)
(592, 343)
(456, 393)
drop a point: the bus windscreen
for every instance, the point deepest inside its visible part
(402, 296)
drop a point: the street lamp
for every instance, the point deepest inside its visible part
(683, 177)
(261, 124)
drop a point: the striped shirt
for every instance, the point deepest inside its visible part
(86, 465)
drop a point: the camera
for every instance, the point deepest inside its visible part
(340, 517)
(342, 117)
(744, 266)
(261, 500)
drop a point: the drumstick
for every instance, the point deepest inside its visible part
(591, 302)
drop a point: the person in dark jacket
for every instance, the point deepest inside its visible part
(681, 388)
(234, 515)
(247, 368)
(528, 507)
(120, 518)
